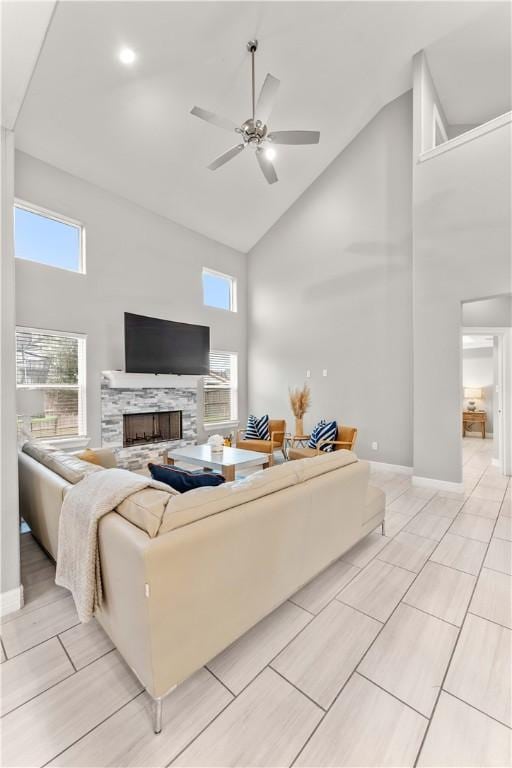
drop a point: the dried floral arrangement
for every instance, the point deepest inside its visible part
(300, 400)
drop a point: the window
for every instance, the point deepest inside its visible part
(47, 238)
(219, 290)
(220, 388)
(50, 379)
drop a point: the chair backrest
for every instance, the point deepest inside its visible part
(346, 435)
(277, 425)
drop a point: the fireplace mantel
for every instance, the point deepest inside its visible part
(123, 380)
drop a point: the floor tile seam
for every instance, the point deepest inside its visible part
(41, 642)
(66, 652)
(37, 695)
(476, 709)
(112, 714)
(53, 685)
(455, 646)
(491, 621)
(210, 722)
(26, 610)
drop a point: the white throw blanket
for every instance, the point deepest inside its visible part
(78, 563)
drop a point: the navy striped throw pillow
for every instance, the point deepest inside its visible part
(251, 431)
(324, 430)
(262, 427)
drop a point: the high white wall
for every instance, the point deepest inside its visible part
(478, 371)
(462, 251)
(137, 262)
(493, 312)
(330, 288)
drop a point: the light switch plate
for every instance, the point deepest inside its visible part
(324, 372)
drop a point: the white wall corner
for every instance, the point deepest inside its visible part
(11, 601)
(441, 485)
(400, 469)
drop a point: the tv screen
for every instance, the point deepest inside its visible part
(162, 346)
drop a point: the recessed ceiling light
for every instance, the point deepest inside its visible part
(270, 153)
(127, 55)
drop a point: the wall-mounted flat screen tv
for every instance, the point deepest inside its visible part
(163, 346)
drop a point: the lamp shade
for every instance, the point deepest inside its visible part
(29, 402)
(473, 393)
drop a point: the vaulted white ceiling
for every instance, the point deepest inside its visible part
(128, 129)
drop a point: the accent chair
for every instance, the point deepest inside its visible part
(277, 429)
(345, 438)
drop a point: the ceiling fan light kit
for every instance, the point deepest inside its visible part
(254, 131)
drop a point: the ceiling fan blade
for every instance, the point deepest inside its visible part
(211, 117)
(266, 166)
(294, 137)
(266, 98)
(226, 156)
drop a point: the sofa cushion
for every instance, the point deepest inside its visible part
(375, 503)
(319, 464)
(203, 502)
(103, 457)
(89, 456)
(145, 508)
(66, 465)
(182, 480)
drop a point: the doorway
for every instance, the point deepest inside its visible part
(486, 407)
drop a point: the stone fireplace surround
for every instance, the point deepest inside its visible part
(138, 393)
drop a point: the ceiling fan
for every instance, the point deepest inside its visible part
(254, 131)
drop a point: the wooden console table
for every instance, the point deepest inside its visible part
(473, 417)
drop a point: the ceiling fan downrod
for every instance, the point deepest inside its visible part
(252, 47)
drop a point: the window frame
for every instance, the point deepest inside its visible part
(233, 387)
(437, 124)
(81, 386)
(232, 289)
(61, 219)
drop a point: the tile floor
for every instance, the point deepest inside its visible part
(399, 654)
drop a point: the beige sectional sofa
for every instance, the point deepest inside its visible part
(186, 575)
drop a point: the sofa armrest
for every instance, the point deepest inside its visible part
(274, 439)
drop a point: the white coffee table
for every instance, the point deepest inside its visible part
(226, 461)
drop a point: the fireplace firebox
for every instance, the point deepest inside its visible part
(152, 427)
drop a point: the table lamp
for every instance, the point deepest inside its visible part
(471, 394)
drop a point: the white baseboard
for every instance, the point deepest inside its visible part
(398, 468)
(11, 601)
(441, 485)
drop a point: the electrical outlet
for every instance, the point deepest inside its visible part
(324, 372)
(308, 374)
(375, 446)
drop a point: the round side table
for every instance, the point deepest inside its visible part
(295, 441)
